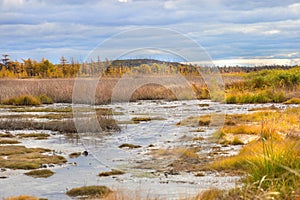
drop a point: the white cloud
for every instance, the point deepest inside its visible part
(256, 62)
(228, 29)
(124, 1)
(295, 8)
(272, 32)
(11, 3)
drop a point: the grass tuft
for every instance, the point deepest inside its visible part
(21, 157)
(9, 141)
(89, 192)
(111, 173)
(42, 173)
(130, 146)
(74, 155)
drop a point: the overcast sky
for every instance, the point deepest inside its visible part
(229, 30)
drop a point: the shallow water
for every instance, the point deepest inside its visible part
(104, 153)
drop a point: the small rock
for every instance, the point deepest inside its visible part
(85, 153)
(73, 163)
(44, 166)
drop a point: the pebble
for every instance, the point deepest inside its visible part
(85, 153)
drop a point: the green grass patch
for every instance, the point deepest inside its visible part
(266, 86)
(41, 173)
(24, 100)
(44, 99)
(274, 78)
(257, 96)
(89, 192)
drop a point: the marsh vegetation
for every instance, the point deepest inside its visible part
(258, 141)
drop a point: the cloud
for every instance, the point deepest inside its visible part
(256, 62)
(124, 1)
(227, 29)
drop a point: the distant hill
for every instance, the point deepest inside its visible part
(139, 62)
(223, 69)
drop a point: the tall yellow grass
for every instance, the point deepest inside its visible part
(61, 90)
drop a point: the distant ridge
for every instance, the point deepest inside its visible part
(138, 62)
(223, 69)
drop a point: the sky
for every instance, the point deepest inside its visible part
(229, 31)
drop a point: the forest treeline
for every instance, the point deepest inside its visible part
(30, 68)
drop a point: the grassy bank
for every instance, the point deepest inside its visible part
(269, 158)
(271, 162)
(266, 86)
